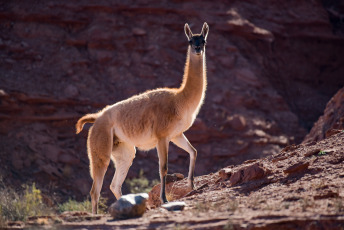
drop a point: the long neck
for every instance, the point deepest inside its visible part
(194, 83)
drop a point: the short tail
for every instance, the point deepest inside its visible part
(88, 118)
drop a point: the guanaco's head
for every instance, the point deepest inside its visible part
(197, 41)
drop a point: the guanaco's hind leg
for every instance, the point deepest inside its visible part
(123, 155)
(98, 177)
(162, 149)
(99, 143)
(182, 142)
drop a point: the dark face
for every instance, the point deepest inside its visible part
(197, 43)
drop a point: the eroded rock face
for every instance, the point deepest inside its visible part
(58, 61)
(331, 122)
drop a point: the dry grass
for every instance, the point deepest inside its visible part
(86, 206)
(180, 227)
(233, 205)
(202, 207)
(339, 205)
(170, 196)
(306, 203)
(230, 205)
(15, 206)
(140, 184)
(229, 225)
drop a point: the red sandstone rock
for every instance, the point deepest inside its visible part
(331, 122)
(174, 177)
(298, 167)
(225, 173)
(174, 191)
(248, 173)
(312, 152)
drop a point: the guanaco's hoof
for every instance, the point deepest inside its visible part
(192, 187)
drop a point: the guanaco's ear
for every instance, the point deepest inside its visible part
(188, 32)
(205, 30)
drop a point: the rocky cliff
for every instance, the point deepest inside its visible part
(272, 67)
(331, 122)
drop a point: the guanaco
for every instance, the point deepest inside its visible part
(148, 120)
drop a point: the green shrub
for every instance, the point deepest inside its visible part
(321, 153)
(85, 206)
(14, 206)
(140, 184)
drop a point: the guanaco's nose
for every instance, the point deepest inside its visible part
(198, 49)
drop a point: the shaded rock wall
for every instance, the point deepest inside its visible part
(331, 122)
(272, 67)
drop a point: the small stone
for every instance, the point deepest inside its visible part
(312, 152)
(2, 93)
(225, 173)
(299, 167)
(289, 148)
(237, 122)
(139, 32)
(129, 206)
(255, 171)
(332, 132)
(174, 177)
(174, 206)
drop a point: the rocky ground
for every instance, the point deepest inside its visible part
(300, 187)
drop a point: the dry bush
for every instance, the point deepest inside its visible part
(85, 206)
(15, 206)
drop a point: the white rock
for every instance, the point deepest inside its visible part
(174, 206)
(129, 206)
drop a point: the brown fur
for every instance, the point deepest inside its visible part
(148, 120)
(89, 118)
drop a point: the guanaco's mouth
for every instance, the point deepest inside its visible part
(198, 52)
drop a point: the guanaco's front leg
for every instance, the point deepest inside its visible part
(182, 142)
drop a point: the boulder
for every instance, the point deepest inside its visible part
(129, 206)
(248, 173)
